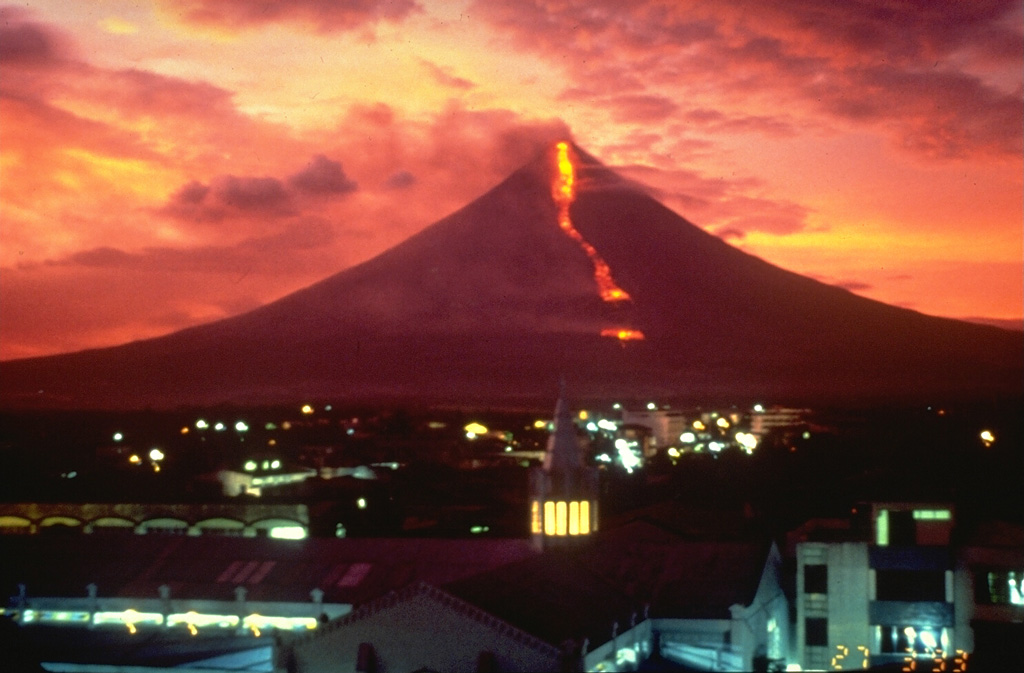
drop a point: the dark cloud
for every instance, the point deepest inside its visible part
(104, 256)
(272, 253)
(249, 193)
(730, 234)
(322, 177)
(715, 121)
(24, 42)
(192, 193)
(641, 108)
(444, 77)
(323, 16)
(234, 196)
(228, 196)
(400, 180)
(853, 285)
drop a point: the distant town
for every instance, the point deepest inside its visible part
(619, 536)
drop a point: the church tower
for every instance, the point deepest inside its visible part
(563, 492)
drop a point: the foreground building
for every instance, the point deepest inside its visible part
(898, 590)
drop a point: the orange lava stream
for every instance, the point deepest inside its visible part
(564, 193)
(623, 334)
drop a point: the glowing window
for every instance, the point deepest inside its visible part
(258, 621)
(932, 514)
(194, 619)
(549, 518)
(535, 517)
(574, 518)
(560, 518)
(1000, 587)
(128, 617)
(882, 528)
(585, 518)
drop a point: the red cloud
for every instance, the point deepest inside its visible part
(324, 16)
(904, 68)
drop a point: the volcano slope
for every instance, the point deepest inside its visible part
(496, 302)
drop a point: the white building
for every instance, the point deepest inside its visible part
(891, 598)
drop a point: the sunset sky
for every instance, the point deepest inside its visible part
(169, 163)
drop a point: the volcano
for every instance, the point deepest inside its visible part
(564, 270)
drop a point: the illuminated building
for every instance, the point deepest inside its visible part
(665, 425)
(764, 420)
(96, 602)
(990, 574)
(260, 474)
(248, 519)
(563, 492)
(889, 597)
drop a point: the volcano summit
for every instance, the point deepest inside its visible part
(564, 269)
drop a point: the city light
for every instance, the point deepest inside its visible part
(156, 455)
(241, 426)
(474, 430)
(987, 438)
(307, 409)
(287, 533)
(627, 456)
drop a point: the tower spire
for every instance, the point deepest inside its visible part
(563, 492)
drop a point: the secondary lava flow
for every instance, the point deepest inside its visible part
(564, 192)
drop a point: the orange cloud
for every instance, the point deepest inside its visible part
(324, 16)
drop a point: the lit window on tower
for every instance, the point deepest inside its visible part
(549, 518)
(561, 518)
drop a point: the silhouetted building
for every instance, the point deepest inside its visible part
(563, 492)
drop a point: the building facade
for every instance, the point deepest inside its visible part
(890, 598)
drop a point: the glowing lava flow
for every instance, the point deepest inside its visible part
(623, 334)
(564, 192)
